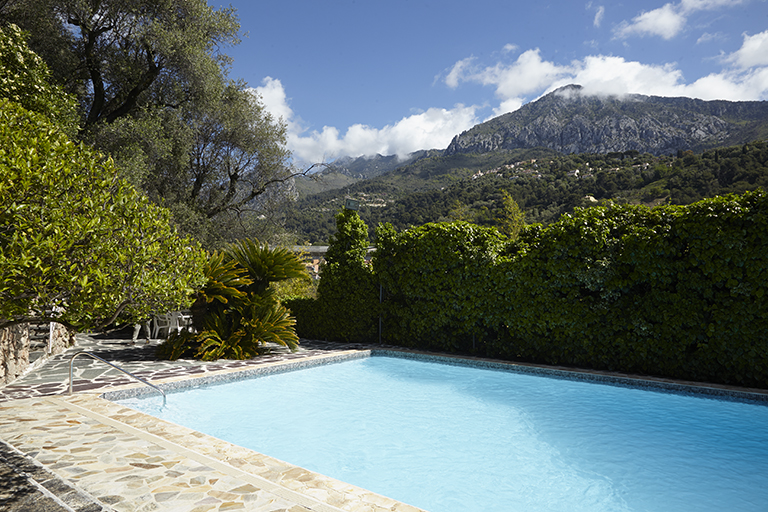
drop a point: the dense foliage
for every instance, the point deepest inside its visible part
(77, 244)
(675, 291)
(25, 80)
(237, 313)
(433, 282)
(347, 303)
(150, 77)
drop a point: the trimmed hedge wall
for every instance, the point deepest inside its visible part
(674, 291)
(347, 308)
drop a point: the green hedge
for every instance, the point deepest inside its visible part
(433, 280)
(675, 291)
(347, 307)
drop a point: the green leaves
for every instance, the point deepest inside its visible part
(264, 264)
(675, 291)
(347, 295)
(435, 283)
(77, 243)
(236, 313)
(24, 80)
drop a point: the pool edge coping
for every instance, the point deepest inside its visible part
(700, 389)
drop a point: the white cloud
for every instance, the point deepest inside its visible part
(707, 37)
(528, 74)
(433, 128)
(517, 81)
(599, 14)
(744, 78)
(457, 71)
(670, 19)
(273, 97)
(510, 48)
(665, 21)
(614, 75)
(690, 6)
(753, 52)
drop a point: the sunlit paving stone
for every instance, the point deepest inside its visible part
(123, 460)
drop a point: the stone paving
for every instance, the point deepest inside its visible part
(52, 378)
(83, 453)
(80, 452)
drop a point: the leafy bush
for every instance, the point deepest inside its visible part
(25, 80)
(78, 245)
(347, 295)
(674, 291)
(237, 313)
(434, 278)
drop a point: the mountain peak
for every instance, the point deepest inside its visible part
(570, 121)
(568, 90)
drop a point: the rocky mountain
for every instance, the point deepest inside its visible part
(370, 167)
(570, 121)
(347, 170)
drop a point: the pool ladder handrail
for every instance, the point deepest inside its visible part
(94, 356)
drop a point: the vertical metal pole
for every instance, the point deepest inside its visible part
(381, 300)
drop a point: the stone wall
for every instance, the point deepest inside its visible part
(15, 349)
(62, 339)
(14, 352)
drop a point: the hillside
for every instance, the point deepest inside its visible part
(570, 121)
(570, 145)
(545, 184)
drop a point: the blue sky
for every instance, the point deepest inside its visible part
(360, 77)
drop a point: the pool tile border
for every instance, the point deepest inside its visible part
(230, 375)
(650, 384)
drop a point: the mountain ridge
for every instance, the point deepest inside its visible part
(569, 120)
(572, 121)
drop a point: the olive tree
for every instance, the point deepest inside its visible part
(151, 80)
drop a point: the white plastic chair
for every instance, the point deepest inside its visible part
(180, 321)
(161, 323)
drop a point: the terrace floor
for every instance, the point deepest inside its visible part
(80, 452)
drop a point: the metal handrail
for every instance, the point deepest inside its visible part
(71, 361)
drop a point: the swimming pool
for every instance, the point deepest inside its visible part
(455, 438)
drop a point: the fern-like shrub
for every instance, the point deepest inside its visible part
(236, 314)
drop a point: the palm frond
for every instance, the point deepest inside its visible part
(265, 264)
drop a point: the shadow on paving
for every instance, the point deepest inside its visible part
(28, 487)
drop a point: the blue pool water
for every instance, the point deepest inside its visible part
(457, 439)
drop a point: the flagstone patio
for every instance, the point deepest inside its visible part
(80, 452)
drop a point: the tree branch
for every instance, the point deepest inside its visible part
(36, 319)
(127, 104)
(257, 191)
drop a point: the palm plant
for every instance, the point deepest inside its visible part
(236, 313)
(264, 264)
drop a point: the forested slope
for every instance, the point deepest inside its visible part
(543, 183)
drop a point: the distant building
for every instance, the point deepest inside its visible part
(314, 256)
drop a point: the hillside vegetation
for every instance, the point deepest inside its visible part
(544, 183)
